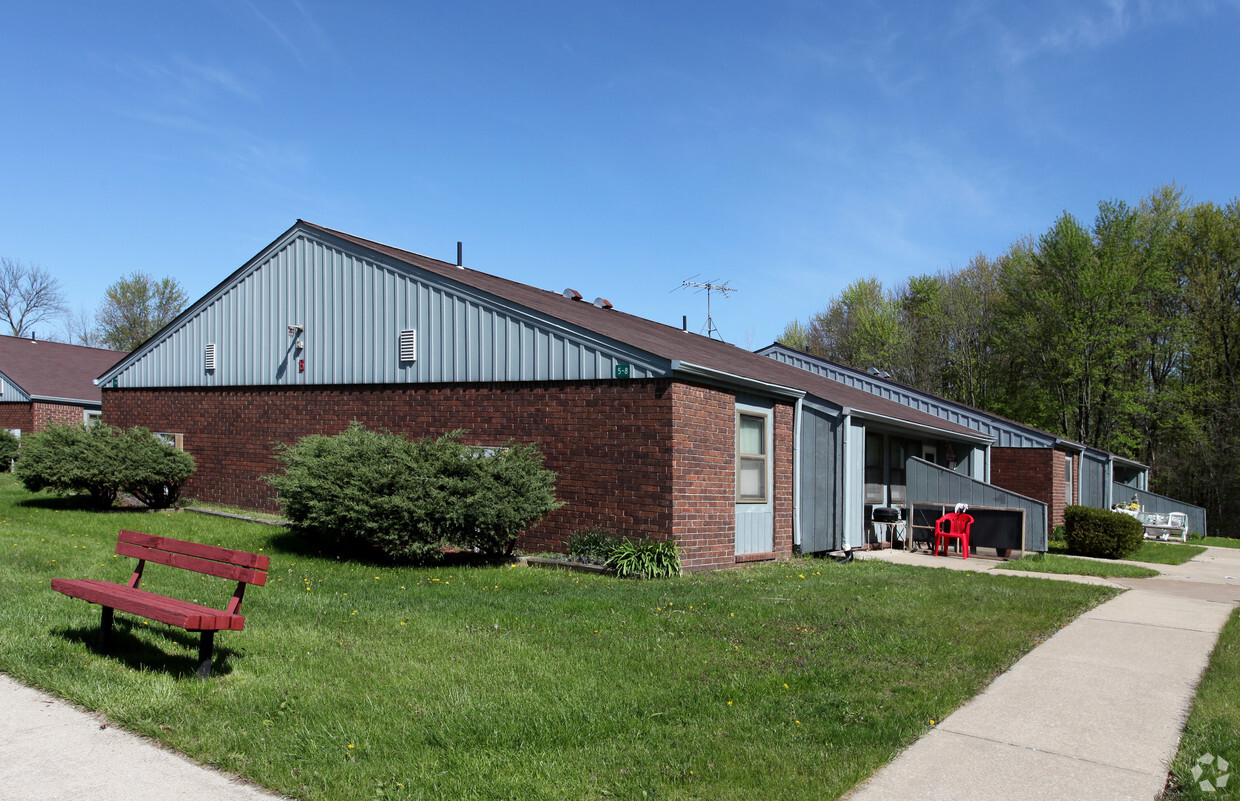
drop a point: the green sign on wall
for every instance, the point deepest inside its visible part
(623, 370)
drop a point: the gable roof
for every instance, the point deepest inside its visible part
(666, 349)
(53, 370)
(684, 349)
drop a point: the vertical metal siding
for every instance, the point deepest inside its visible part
(1093, 479)
(353, 310)
(820, 480)
(931, 484)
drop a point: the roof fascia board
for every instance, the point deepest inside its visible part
(729, 380)
(1069, 445)
(979, 439)
(69, 401)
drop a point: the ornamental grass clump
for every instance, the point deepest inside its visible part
(411, 499)
(645, 558)
(1101, 533)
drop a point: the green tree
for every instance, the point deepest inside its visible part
(136, 307)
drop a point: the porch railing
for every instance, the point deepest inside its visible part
(935, 486)
(1154, 503)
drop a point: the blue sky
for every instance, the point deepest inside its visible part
(787, 148)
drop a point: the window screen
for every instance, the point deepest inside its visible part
(751, 452)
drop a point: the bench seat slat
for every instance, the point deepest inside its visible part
(173, 611)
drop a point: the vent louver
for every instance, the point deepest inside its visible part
(409, 345)
(208, 357)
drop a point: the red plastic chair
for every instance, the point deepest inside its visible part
(957, 527)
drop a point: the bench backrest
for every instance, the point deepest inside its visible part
(212, 560)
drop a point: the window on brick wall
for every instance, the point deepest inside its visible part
(751, 454)
(1067, 479)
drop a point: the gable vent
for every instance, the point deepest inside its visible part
(602, 303)
(409, 345)
(572, 294)
(208, 357)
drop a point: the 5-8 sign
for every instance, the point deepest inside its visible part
(623, 370)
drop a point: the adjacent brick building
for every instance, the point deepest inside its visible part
(42, 383)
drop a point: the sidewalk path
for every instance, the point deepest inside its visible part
(52, 751)
(1093, 713)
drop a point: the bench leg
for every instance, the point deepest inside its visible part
(205, 649)
(105, 630)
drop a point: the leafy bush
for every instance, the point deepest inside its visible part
(408, 498)
(1101, 532)
(101, 461)
(10, 448)
(72, 460)
(152, 470)
(645, 558)
(593, 546)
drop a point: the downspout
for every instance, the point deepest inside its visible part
(988, 447)
(796, 475)
(1110, 480)
(844, 467)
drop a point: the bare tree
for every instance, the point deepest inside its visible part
(80, 329)
(29, 295)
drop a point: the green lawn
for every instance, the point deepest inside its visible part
(1165, 553)
(1213, 725)
(1057, 563)
(1161, 553)
(357, 681)
(1218, 542)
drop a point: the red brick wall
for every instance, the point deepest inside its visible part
(1037, 473)
(46, 414)
(704, 483)
(16, 415)
(648, 458)
(608, 441)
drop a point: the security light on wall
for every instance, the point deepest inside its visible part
(295, 330)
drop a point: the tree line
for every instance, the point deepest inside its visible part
(1123, 334)
(133, 308)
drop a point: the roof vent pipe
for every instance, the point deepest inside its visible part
(684, 322)
(459, 259)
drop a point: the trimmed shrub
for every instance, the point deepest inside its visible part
(1101, 532)
(152, 470)
(72, 460)
(410, 499)
(102, 461)
(10, 448)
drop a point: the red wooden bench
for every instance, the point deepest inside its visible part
(239, 566)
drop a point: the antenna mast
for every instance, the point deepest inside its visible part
(709, 329)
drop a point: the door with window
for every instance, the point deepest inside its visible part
(755, 507)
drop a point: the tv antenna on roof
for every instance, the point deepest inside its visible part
(710, 286)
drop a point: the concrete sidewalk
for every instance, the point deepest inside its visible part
(52, 751)
(1093, 713)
